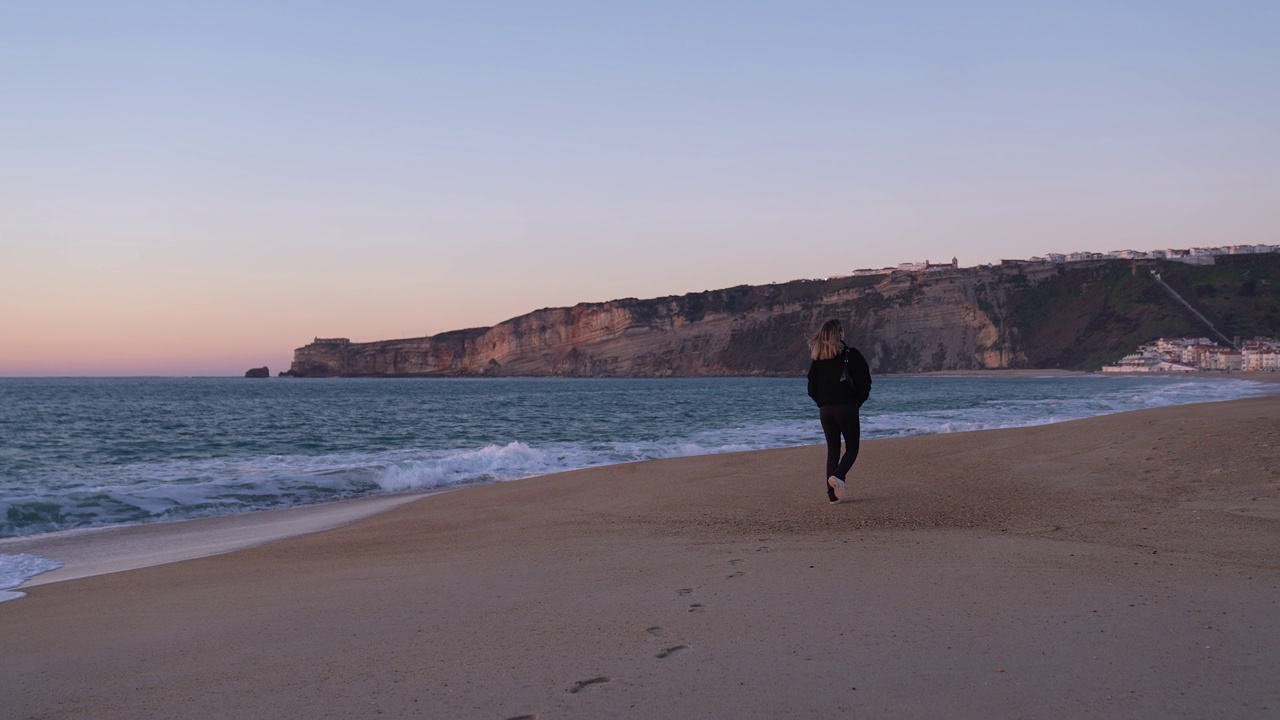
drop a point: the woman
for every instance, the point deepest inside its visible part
(838, 394)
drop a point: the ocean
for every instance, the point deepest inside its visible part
(92, 452)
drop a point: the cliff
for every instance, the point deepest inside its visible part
(1075, 316)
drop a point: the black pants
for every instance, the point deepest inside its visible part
(838, 421)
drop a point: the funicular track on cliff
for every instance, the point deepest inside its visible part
(1191, 309)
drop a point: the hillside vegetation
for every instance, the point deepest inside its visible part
(1083, 319)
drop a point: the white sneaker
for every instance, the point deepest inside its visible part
(837, 487)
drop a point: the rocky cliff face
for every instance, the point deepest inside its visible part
(901, 323)
(973, 318)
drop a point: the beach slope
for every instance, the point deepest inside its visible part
(1122, 566)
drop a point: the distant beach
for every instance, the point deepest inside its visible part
(1264, 376)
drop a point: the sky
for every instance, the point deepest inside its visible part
(200, 188)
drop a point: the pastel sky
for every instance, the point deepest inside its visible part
(199, 188)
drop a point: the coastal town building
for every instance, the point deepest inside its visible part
(1145, 363)
(1259, 356)
(1186, 354)
(908, 267)
(1191, 256)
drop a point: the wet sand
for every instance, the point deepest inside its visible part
(97, 551)
(1122, 566)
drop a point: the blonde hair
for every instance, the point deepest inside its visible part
(827, 343)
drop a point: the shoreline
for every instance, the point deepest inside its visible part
(1265, 377)
(117, 548)
(1006, 372)
(1098, 567)
(93, 551)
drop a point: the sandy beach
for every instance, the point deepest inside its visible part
(1121, 566)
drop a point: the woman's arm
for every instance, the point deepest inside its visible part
(813, 368)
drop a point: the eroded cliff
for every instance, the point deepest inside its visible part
(961, 319)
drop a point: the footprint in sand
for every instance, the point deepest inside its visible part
(588, 684)
(734, 575)
(524, 717)
(656, 631)
(735, 562)
(668, 652)
(697, 607)
(685, 591)
(763, 548)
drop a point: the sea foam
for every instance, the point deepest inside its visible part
(17, 569)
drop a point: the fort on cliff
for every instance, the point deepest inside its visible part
(1029, 315)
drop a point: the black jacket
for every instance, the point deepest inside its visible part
(824, 380)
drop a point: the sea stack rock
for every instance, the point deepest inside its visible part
(261, 372)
